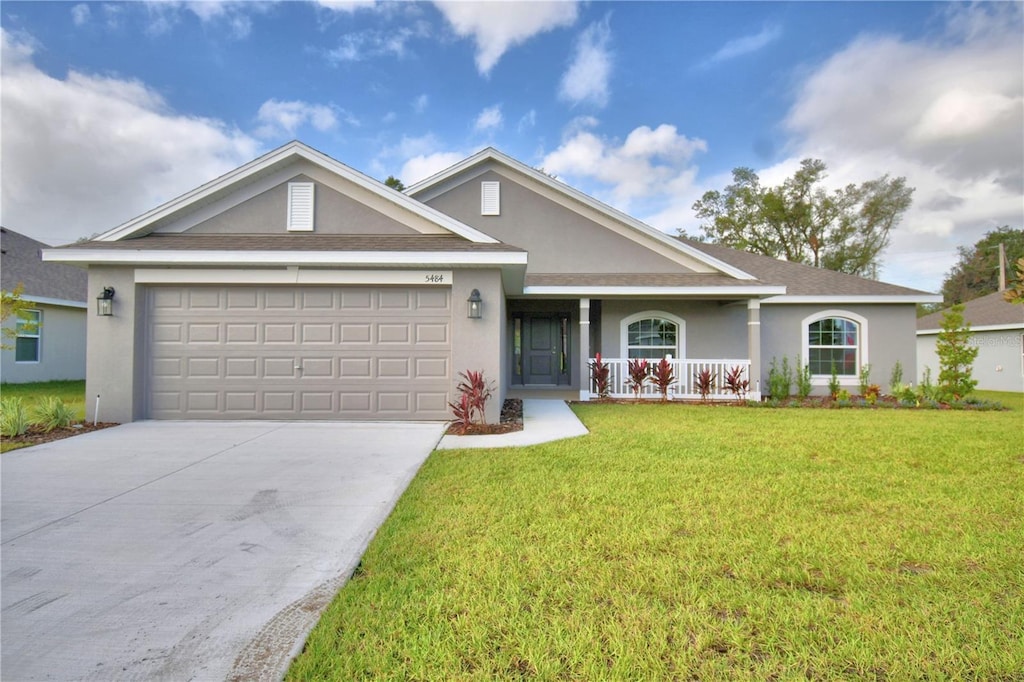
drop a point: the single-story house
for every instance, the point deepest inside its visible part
(998, 328)
(49, 341)
(298, 288)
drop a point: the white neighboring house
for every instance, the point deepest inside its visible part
(998, 329)
(55, 347)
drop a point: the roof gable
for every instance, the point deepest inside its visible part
(608, 217)
(270, 170)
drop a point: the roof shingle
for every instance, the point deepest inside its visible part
(980, 312)
(21, 264)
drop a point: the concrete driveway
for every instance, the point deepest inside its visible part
(188, 550)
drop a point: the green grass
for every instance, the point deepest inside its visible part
(71, 392)
(703, 543)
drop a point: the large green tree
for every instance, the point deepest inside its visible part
(976, 272)
(844, 229)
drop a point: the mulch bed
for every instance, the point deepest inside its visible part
(511, 420)
(36, 436)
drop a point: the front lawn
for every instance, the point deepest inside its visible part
(703, 543)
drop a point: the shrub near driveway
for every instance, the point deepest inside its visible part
(679, 541)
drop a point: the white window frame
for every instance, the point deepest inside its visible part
(862, 345)
(37, 335)
(680, 323)
(490, 197)
(297, 197)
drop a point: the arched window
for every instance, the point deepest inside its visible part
(835, 338)
(653, 335)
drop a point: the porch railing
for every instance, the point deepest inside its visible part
(685, 373)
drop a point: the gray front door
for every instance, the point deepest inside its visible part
(545, 349)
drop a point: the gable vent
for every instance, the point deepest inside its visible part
(490, 198)
(300, 206)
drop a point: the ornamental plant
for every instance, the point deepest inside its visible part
(803, 379)
(865, 378)
(599, 375)
(833, 382)
(896, 378)
(13, 417)
(663, 377)
(474, 392)
(956, 355)
(53, 413)
(735, 383)
(704, 382)
(639, 372)
(779, 379)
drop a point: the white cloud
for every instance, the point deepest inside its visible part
(489, 118)
(948, 114)
(586, 79)
(423, 166)
(356, 47)
(80, 14)
(346, 6)
(284, 118)
(498, 26)
(85, 153)
(419, 105)
(745, 45)
(228, 17)
(648, 168)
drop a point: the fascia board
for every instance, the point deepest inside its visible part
(984, 328)
(239, 258)
(279, 156)
(863, 298)
(65, 303)
(597, 291)
(491, 154)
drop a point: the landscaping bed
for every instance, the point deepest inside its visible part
(511, 420)
(35, 435)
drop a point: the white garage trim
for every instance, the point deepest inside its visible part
(293, 276)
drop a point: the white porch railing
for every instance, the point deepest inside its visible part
(685, 385)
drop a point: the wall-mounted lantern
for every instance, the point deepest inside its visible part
(475, 305)
(105, 302)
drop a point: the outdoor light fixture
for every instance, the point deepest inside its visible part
(475, 305)
(105, 302)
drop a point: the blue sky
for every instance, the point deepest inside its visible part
(112, 108)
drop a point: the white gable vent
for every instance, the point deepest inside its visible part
(490, 198)
(300, 206)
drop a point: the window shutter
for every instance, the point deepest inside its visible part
(490, 198)
(300, 206)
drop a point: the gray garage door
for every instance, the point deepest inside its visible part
(298, 352)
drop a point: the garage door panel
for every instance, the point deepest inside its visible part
(299, 352)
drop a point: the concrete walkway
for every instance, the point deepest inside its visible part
(543, 421)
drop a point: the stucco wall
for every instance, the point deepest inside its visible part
(266, 213)
(114, 352)
(998, 367)
(891, 337)
(62, 351)
(479, 344)
(712, 331)
(558, 240)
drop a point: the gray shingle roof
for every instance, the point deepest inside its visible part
(799, 279)
(981, 312)
(297, 242)
(639, 279)
(20, 263)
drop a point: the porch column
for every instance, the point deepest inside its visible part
(754, 346)
(584, 363)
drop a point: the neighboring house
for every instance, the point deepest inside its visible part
(50, 342)
(297, 288)
(998, 328)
